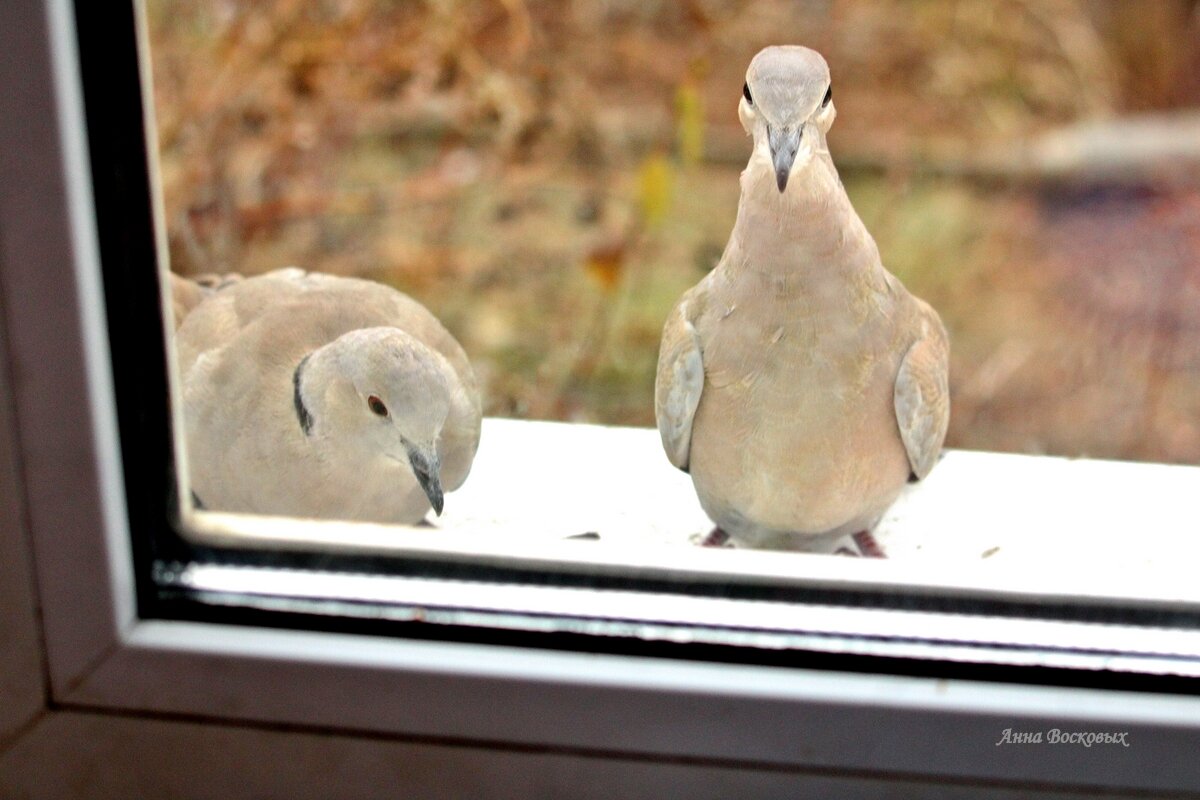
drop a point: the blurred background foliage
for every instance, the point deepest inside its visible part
(548, 176)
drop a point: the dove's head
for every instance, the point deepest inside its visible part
(787, 106)
(378, 394)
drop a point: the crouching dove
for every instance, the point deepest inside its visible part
(799, 383)
(317, 396)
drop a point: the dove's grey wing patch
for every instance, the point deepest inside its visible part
(678, 385)
(922, 395)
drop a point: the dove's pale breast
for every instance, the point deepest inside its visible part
(818, 407)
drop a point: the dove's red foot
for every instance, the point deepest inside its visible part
(868, 545)
(716, 538)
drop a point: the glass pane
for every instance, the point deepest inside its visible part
(548, 178)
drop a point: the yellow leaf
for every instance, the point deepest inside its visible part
(654, 188)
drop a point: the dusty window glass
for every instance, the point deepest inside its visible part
(548, 179)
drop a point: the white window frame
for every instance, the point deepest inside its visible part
(679, 717)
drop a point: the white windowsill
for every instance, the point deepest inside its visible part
(1031, 525)
(536, 480)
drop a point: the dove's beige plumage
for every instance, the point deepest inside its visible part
(799, 383)
(318, 396)
(186, 294)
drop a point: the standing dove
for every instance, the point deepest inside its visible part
(311, 395)
(799, 383)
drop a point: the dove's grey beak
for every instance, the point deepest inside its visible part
(427, 468)
(784, 142)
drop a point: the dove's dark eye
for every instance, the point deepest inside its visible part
(828, 96)
(746, 93)
(376, 405)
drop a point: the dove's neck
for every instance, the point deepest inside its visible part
(312, 379)
(810, 232)
(323, 392)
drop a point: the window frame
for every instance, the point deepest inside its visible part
(103, 657)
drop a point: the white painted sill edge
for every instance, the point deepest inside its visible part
(1021, 525)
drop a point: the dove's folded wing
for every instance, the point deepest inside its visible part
(922, 396)
(679, 384)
